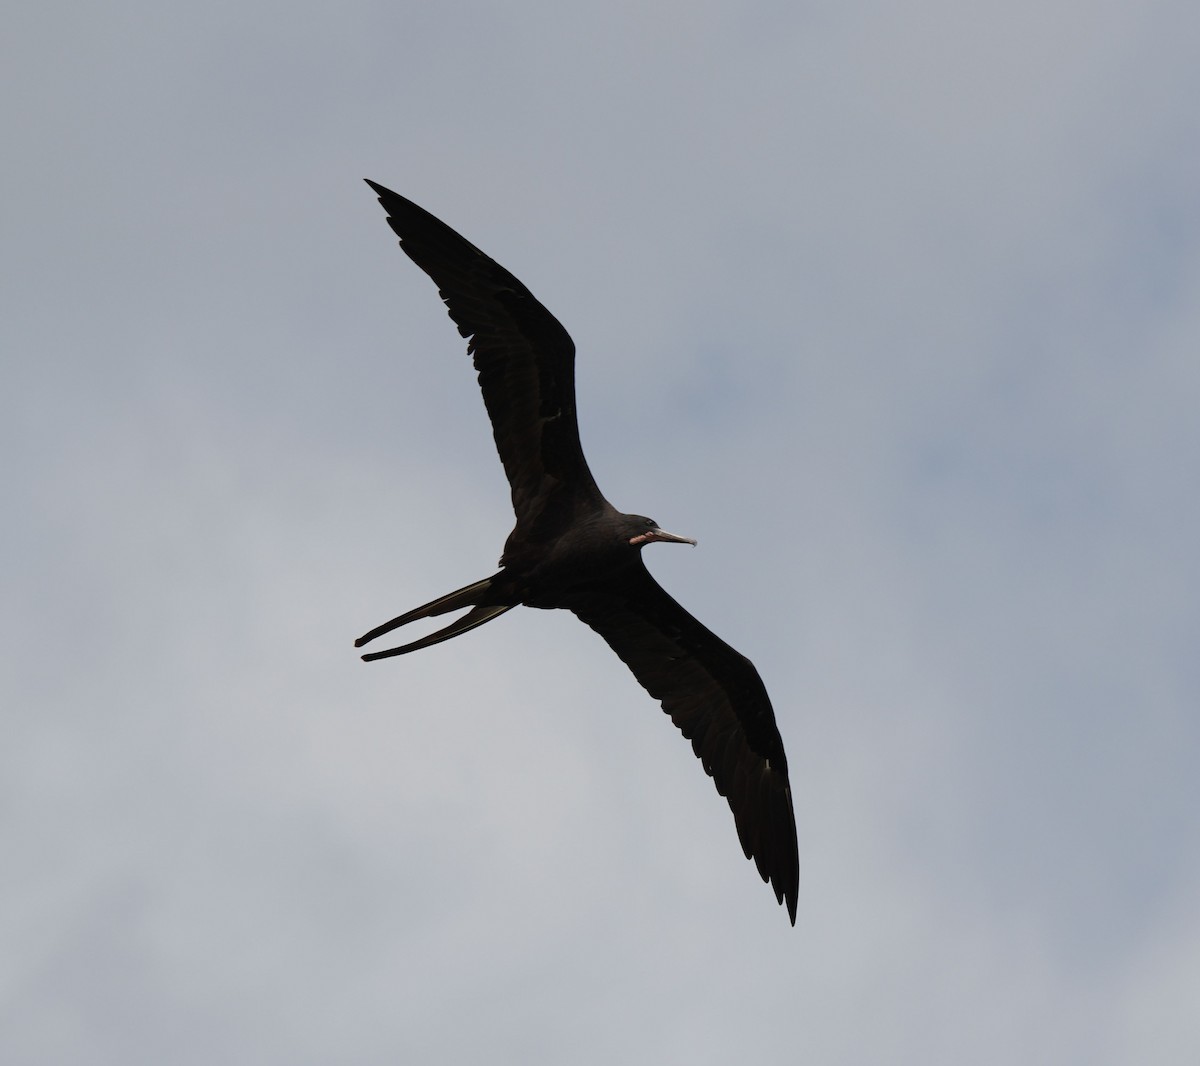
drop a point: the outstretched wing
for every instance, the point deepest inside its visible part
(718, 701)
(526, 364)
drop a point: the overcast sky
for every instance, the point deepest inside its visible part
(894, 307)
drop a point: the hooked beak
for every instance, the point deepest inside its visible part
(662, 535)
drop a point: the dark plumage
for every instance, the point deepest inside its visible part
(572, 549)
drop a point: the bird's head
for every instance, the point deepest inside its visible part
(642, 531)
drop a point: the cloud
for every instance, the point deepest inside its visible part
(892, 309)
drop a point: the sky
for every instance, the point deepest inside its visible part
(895, 308)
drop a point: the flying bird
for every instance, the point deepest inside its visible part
(571, 549)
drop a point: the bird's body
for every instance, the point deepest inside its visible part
(571, 549)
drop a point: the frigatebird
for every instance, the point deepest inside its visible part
(571, 549)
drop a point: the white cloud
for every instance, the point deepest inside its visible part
(893, 309)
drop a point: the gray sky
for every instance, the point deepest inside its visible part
(895, 307)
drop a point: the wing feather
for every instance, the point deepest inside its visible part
(718, 701)
(526, 365)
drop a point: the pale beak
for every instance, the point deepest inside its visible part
(652, 535)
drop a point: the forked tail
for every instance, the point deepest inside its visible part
(468, 596)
